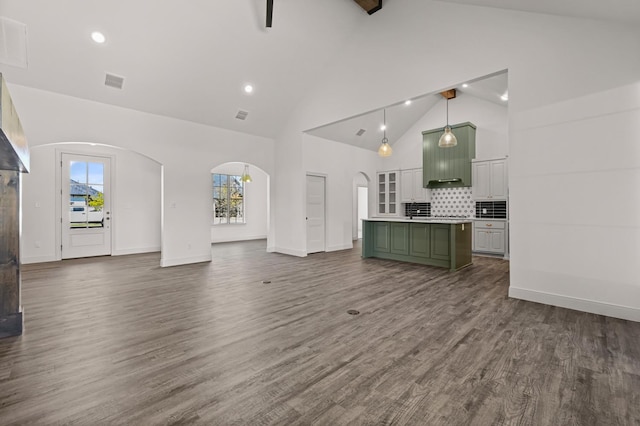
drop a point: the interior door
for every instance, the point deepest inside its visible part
(315, 214)
(86, 207)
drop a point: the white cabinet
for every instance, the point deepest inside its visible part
(490, 179)
(411, 185)
(489, 236)
(388, 195)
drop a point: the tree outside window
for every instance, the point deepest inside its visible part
(228, 199)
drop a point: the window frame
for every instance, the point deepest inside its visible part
(229, 180)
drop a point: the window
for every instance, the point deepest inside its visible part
(228, 199)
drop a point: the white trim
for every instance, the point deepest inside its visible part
(297, 253)
(38, 259)
(341, 247)
(578, 304)
(137, 250)
(185, 260)
(233, 239)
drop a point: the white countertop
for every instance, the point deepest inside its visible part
(419, 220)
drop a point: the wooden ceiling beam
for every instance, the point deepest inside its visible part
(269, 13)
(370, 6)
(449, 94)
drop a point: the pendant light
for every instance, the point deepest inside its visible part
(385, 149)
(246, 177)
(448, 139)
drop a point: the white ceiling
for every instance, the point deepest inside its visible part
(184, 59)
(401, 117)
(627, 11)
(190, 59)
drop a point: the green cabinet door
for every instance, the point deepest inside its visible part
(440, 241)
(419, 239)
(399, 238)
(381, 237)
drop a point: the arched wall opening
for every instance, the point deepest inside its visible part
(136, 182)
(256, 205)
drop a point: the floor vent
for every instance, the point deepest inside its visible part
(353, 312)
(242, 115)
(360, 132)
(115, 81)
(266, 281)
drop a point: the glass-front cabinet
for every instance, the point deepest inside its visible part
(388, 193)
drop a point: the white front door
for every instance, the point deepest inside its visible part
(86, 208)
(315, 214)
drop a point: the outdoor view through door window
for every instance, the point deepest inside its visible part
(228, 199)
(86, 195)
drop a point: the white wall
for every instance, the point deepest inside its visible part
(186, 150)
(340, 163)
(135, 201)
(256, 205)
(408, 50)
(574, 182)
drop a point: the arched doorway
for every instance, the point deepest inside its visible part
(239, 209)
(135, 210)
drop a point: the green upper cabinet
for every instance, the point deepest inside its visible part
(448, 167)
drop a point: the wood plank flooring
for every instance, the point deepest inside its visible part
(119, 340)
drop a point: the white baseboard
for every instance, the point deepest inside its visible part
(185, 260)
(583, 305)
(38, 259)
(234, 239)
(124, 252)
(297, 253)
(340, 247)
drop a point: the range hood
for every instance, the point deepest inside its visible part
(448, 167)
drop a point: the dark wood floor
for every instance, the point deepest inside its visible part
(118, 340)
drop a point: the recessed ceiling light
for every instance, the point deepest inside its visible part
(98, 37)
(248, 88)
(465, 85)
(407, 102)
(505, 97)
(383, 127)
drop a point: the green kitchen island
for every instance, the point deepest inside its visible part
(434, 242)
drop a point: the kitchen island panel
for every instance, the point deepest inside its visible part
(400, 238)
(419, 239)
(446, 245)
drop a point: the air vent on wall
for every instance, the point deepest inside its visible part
(112, 80)
(242, 115)
(360, 132)
(13, 43)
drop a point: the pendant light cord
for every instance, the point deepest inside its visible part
(447, 113)
(384, 121)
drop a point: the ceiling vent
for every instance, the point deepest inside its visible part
(360, 132)
(115, 81)
(242, 115)
(13, 43)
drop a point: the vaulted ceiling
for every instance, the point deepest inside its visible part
(190, 60)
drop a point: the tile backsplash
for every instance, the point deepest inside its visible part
(452, 202)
